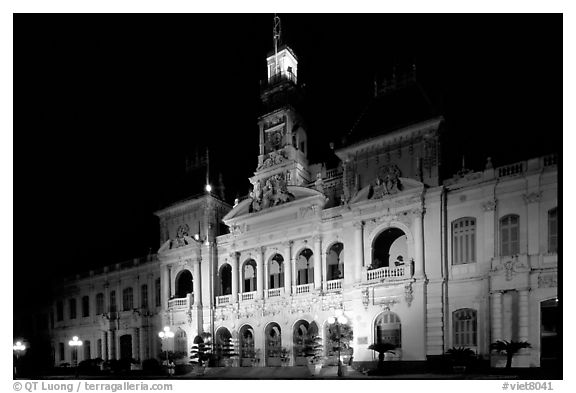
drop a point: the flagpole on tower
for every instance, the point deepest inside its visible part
(208, 186)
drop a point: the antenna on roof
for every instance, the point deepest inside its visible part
(277, 31)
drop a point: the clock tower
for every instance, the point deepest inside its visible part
(283, 142)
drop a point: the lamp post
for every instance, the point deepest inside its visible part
(75, 343)
(166, 333)
(18, 349)
(338, 319)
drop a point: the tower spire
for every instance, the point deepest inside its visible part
(276, 34)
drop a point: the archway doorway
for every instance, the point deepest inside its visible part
(302, 335)
(550, 344)
(126, 346)
(225, 280)
(184, 284)
(273, 345)
(247, 352)
(223, 345)
(389, 249)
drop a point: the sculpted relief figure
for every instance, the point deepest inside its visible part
(387, 182)
(274, 192)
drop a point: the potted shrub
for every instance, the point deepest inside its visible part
(460, 358)
(313, 351)
(285, 356)
(382, 349)
(227, 352)
(510, 348)
(201, 352)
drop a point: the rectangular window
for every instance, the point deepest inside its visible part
(59, 311)
(85, 306)
(158, 293)
(72, 304)
(61, 351)
(553, 230)
(127, 299)
(87, 350)
(510, 235)
(464, 241)
(112, 301)
(99, 348)
(144, 296)
(100, 304)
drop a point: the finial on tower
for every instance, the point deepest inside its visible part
(277, 31)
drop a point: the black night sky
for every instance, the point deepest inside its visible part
(108, 107)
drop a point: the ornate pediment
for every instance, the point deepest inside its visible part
(272, 159)
(387, 182)
(274, 192)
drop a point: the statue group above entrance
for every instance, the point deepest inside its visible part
(274, 192)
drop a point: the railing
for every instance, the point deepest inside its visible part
(275, 292)
(178, 303)
(332, 173)
(334, 285)
(512, 169)
(248, 295)
(222, 300)
(279, 78)
(403, 271)
(304, 288)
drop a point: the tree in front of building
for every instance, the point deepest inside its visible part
(511, 348)
(382, 349)
(201, 352)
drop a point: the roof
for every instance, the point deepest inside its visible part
(391, 111)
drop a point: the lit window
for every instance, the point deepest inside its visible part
(510, 235)
(464, 241)
(388, 329)
(127, 299)
(464, 324)
(99, 304)
(553, 230)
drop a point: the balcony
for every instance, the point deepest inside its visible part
(223, 300)
(248, 296)
(389, 273)
(333, 285)
(304, 288)
(276, 292)
(182, 303)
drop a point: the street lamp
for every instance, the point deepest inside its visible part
(166, 333)
(18, 349)
(338, 319)
(75, 343)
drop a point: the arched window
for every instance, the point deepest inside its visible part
(305, 267)
(184, 283)
(99, 304)
(249, 276)
(388, 329)
(464, 323)
(335, 262)
(553, 230)
(464, 241)
(127, 299)
(181, 343)
(390, 248)
(225, 280)
(510, 235)
(223, 343)
(247, 343)
(112, 301)
(303, 337)
(276, 272)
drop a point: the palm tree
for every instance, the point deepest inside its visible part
(382, 349)
(510, 347)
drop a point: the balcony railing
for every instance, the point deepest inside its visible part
(304, 288)
(512, 169)
(248, 295)
(334, 285)
(223, 300)
(391, 272)
(276, 292)
(181, 302)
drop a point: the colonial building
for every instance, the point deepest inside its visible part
(378, 236)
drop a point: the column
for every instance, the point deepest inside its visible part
(496, 316)
(523, 317)
(104, 344)
(171, 289)
(117, 344)
(135, 335)
(533, 202)
(111, 345)
(234, 264)
(196, 284)
(165, 286)
(143, 344)
(489, 225)
(266, 274)
(324, 269)
(317, 262)
(288, 267)
(418, 230)
(259, 272)
(358, 249)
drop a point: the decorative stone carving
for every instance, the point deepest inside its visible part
(532, 197)
(547, 280)
(387, 303)
(274, 158)
(238, 229)
(387, 182)
(308, 211)
(489, 206)
(511, 266)
(275, 192)
(408, 294)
